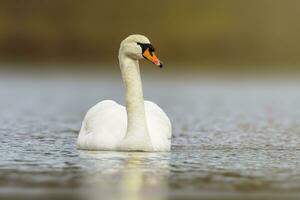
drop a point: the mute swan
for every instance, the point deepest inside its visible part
(141, 125)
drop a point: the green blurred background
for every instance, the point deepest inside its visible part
(202, 34)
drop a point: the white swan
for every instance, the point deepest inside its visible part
(142, 125)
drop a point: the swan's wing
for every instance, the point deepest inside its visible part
(103, 127)
(159, 126)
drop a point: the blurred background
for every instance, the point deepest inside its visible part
(231, 35)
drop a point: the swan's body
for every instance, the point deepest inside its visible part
(141, 125)
(104, 127)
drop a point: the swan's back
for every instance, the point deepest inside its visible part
(103, 127)
(159, 127)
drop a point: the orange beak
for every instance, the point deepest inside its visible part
(152, 58)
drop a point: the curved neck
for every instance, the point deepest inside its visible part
(136, 118)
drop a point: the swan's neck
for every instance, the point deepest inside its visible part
(136, 118)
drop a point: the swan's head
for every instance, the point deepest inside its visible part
(139, 47)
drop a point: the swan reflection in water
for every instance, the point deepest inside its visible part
(126, 175)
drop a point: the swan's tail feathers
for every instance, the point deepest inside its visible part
(82, 135)
(83, 128)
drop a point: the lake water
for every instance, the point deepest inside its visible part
(231, 140)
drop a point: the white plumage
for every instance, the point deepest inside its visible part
(140, 126)
(105, 124)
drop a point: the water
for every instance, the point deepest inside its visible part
(231, 140)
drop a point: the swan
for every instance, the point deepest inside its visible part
(141, 125)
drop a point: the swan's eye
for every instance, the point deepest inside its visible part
(146, 46)
(151, 48)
